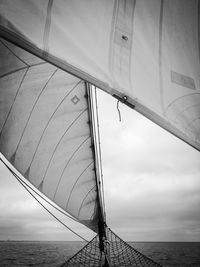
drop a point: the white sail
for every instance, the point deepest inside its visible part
(146, 50)
(45, 131)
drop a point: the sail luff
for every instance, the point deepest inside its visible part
(154, 117)
(95, 148)
(130, 101)
(45, 134)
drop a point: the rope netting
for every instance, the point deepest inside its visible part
(120, 254)
(89, 255)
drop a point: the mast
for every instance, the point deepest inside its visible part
(92, 107)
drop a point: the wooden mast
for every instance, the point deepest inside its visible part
(96, 150)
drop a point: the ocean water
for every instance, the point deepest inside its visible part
(52, 254)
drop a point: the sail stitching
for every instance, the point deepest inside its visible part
(197, 139)
(77, 182)
(31, 112)
(95, 210)
(178, 98)
(182, 111)
(85, 199)
(23, 68)
(39, 142)
(12, 72)
(47, 26)
(14, 54)
(73, 154)
(48, 165)
(23, 77)
(190, 123)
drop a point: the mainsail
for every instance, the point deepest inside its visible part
(45, 131)
(145, 52)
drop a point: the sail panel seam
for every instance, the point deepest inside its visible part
(14, 54)
(73, 154)
(23, 77)
(80, 208)
(12, 72)
(182, 112)
(31, 112)
(79, 115)
(177, 99)
(74, 185)
(50, 121)
(47, 27)
(23, 68)
(191, 122)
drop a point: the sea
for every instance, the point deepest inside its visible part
(53, 254)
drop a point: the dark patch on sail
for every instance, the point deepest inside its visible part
(40, 188)
(12, 159)
(182, 80)
(27, 173)
(75, 99)
(123, 39)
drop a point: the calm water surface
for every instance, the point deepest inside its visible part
(52, 254)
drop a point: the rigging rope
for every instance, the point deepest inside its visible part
(29, 189)
(120, 119)
(100, 158)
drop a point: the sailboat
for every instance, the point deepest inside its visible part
(53, 54)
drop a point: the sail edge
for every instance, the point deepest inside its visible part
(63, 65)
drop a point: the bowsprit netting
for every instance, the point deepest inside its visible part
(89, 255)
(120, 254)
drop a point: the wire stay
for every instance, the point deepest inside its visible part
(31, 190)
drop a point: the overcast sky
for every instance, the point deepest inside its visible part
(151, 181)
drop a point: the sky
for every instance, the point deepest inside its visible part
(151, 184)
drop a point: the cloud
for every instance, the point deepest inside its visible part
(151, 179)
